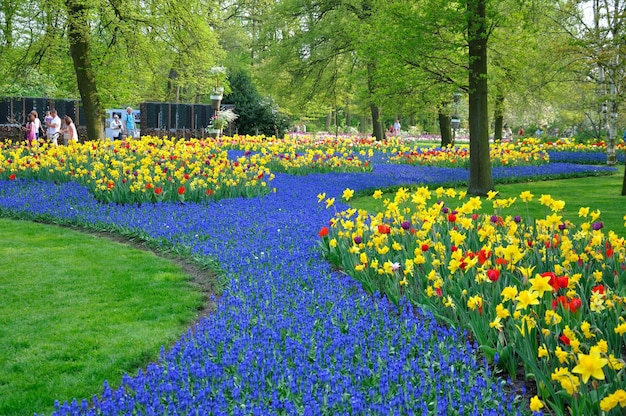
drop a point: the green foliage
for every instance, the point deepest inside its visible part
(257, 115)
(85, 320)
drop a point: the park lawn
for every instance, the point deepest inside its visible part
(596, 192)
(77, 310)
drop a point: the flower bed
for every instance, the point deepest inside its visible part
(290, 336)
(136, 171)
(542, 293)
(569, 151)
(502, 154)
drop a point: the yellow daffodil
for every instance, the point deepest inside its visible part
(590, 365)
(540, 284)
(583, 212)
(527, 298)
(509, 293)
(491, 195)
(526, 196)
(535, 404)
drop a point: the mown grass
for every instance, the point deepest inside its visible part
(77, 310)
(598, 193)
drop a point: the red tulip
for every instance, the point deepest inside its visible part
(384, 229)
(493, 275)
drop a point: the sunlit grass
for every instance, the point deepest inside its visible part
(77, 310)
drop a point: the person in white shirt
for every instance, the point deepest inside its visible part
(71, 135)
(116, 126)
(54, 127)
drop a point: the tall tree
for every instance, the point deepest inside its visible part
(79, 39)
(481, 179)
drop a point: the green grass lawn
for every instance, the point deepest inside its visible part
(77, 310)
(597, 192)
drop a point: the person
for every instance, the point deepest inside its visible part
(520, 132)
(71, 135)
(129, 123)
(47, 119)
(31, 129)
(396, 128)
(624, 136)
(54, 127)
(116, 126)
(38, 129)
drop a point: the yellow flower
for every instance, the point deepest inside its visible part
(620, 329)
(475, 302)
(502, 312)
(541, 284)
(583, 211)
(526, 271)
(567, 380)
(510, 292)
(330, 202)
(535, 404)
(526, 196)
(377, 194)
(590, 365)
(608, 403)
(596, 303)
(585, 327)
(496, 323)
(348, 194)
(333, 243)
(552, 318)
(542, 351)
(491, 195)
(527, 298)
(615, 363)
(545, 200)
(320, 197)
(448, 303)
(597, 275)
(595, 215)
(602, 345)
(561, 355)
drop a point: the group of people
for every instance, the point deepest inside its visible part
(54, 128)
(125, 127)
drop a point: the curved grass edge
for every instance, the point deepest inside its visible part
(200, 277)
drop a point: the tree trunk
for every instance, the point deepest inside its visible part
(329, 117)
(445, 128)
(78, 36)
(498, 117)
(481, 179)
(378, 130)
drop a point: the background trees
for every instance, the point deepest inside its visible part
(358, 63)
